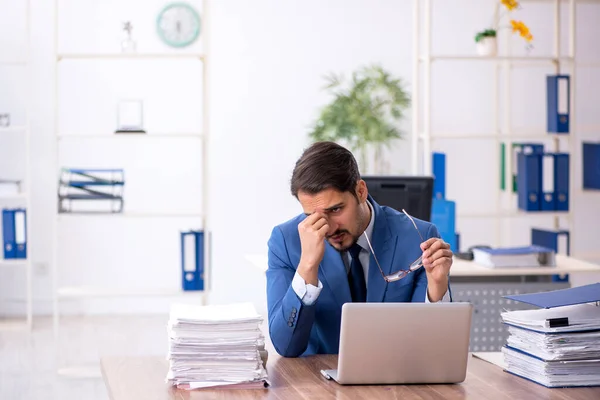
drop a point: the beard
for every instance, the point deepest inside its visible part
(341, 247)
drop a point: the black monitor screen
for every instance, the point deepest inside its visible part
(412, 193)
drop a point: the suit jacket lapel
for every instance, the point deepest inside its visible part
(333, 269)
(384, 246)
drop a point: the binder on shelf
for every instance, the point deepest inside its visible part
(528, 181)
(439, 174)
(561, 181)
(443, 216)
(591, 166)
(557, 240)
(558, 103)
(192, 260)
(8, 234)
(518, 148)
(14, 233)
(548, 199)
(20, 216)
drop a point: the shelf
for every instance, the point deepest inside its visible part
(12, 129)
(16, 196)
(13, 324)
(126, 56)
(130, 215)
(494, 136)
(90, 292)
(13, 63)
(515, 214)
(131, 135)
(17, 261)
(496, 58)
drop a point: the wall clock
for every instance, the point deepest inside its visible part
(178, 25)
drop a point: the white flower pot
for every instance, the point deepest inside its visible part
(487, 46)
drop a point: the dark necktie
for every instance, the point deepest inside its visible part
(356, 276)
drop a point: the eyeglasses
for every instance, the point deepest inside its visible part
(396, 276)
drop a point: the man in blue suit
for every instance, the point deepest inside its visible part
(321, 259)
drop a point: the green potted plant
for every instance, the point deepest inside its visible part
(364, 112)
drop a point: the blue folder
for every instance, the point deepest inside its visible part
(550, 238)
(443, 216)
(529, 183)
(561, 181)
(192, 260)
(439, 174)
(8, 234)
(558, 103)
(563, 297)
(591, 166)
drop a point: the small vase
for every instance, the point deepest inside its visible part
(487, 46)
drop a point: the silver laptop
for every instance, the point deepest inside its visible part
(399, 343)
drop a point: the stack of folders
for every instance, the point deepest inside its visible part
(91, 190)
(217, 346)
(558, 346)
(528, 256)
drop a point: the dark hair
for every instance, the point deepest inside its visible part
(325, 165)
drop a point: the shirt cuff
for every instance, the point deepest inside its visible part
(307, 292)
(445, 298)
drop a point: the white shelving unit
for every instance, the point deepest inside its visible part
(23, 198)
(503, 132)
(89, 291)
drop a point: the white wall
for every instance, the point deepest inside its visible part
(267, 62)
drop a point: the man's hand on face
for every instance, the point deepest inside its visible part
(313, 231)
(437, 261)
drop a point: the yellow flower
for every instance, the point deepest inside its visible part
(510, 4)
(518, 26)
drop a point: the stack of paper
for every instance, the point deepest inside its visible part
(216, 346)
(529, 256)
(555, 347)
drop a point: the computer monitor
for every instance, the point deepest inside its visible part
(412, 193)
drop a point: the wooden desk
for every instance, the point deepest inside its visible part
(143, 378)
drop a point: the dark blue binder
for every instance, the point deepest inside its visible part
(558, 103)
(563, 297)
(591, 166)
(557, 240)
(525, 148)
(192, 260)
(561, 181)
(439, 175)
(8, 234)
(529, 181)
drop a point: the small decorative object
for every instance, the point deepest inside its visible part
(486, 40)
(178, 25)
(364, 112)
(5, 120)
(130, 118)
(128, 45)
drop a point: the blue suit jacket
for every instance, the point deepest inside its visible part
(296, 329)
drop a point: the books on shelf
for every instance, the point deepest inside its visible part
(216, 346)
(558, 346)
(527, 256)
(91, 190)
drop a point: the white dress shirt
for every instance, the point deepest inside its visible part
(309, 293)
